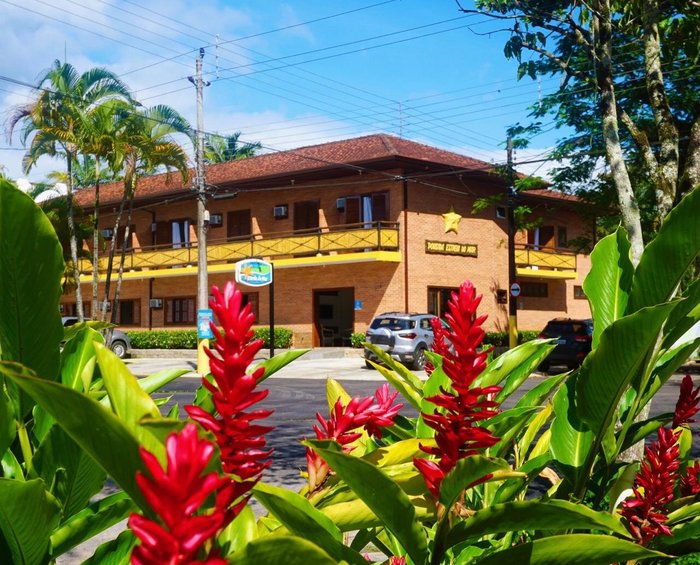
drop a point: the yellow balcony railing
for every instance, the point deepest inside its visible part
(372, 236)
(545, 262)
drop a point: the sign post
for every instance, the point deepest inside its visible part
(204, 334)
(257, 273)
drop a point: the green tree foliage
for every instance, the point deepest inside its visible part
(628, 90)
(219, 148)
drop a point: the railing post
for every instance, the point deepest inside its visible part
(379, 235)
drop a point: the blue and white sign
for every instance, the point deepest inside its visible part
(254, 272)
(204, 316)
(358, 304)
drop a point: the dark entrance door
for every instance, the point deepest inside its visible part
(334, 317)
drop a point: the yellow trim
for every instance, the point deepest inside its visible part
(525, 272)
(313, 261)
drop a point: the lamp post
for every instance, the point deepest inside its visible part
(512, 300)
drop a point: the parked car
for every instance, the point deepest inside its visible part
(120, 343)
(405, 337)
(573, 340)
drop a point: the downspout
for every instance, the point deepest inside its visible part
(405, 245)
(150, 297)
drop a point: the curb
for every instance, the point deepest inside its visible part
(191, 354)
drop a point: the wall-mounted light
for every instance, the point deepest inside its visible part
(108, 233)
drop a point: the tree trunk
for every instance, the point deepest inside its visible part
(122, 259)
(666, 175)
(73, 239)
(110, 258)
(691, 172)
(629, 209)
(96, 242)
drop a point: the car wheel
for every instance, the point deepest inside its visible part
(419, 359)
(119, 348)
(369, 365)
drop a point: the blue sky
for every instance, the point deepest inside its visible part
(416, 68)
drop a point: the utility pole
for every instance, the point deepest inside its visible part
(512, 300)
(202, 219)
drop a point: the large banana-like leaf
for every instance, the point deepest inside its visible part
(114, 552)
(90, 521)
(28, 515)
(8, 426)
(666, 366)
(279, 361)
(31, 267)
(239, 533)
(405, 389)
(667, 257)
(92, 426)
(607, 371)
(403, 372)
(469, 471)
(514, 366)
(300, 518)
(382, 495)
(608, 283)
(535, 515)
(572, 549)
(684, 316)
(356, 515)
(281, 549)
(570, 438)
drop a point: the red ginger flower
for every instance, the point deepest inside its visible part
(687, 404)
(394, 560)
(653, 489)
(456, 434)
(690, 484)
(369, 413)
(176, 494)
(241, 441)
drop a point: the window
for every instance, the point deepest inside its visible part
(306, 215)
(562, 239)
(238, 224)
(540, 237)
(372, 207)
(437, 300)
(180, 311)
(252, 299)
(130, 240)
(129, 313)
(180, 233)
(578, 293)
(534, 289)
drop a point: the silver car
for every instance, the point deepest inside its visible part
(120, 343)
(405, 337)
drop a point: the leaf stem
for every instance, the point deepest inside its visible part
(25, 445)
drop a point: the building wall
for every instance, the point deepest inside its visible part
(379, 287)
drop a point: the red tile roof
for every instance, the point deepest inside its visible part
(351, 154)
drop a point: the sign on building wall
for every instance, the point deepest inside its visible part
(254, 272)
(449, 248)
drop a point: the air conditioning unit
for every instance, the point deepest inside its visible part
(281, 211)
(154, 227)
(216, 219)
(155, 303)
(107, 233)
(340, 204)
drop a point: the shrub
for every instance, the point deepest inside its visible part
(187, 339)
(357, 339)
(500, 339)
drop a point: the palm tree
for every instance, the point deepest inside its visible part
(51, 123)
(145, 145)
(219, 148)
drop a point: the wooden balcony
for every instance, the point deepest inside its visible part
(544, 262)
(337, 244)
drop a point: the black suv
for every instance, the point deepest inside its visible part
(405, 337)
(573, 342)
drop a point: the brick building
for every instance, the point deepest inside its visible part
(353, 228)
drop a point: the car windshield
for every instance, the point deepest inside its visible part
(393, 324)
(577, 328)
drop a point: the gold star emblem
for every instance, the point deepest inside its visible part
(247, 271)
(452, 219)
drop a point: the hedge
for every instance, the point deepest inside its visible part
(187, 339)
(500, 339)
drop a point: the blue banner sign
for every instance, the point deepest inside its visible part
(254, 272)
(204, 316)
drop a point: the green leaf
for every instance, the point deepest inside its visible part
(90, 521)
(299, 517)
(535, 515)
(335, 392)
(239, 533)
(607, 285)
(571, 439)
(684, 513)
(279, 361)
(106, 438)
(8, 427)
(507, 425)
(405, 389)
(515, 366)
(153, 382)
(640, 430)
(534, 426)
(537, 394)
(530, 469)
(572, 549)
(28, 514)
(403, 372)
(466, 472)
(608, 370)
(400, 452)
(667, 257)
(437, 380)
(666, 366)
(356, 515)
(114, 552)
(382, 495)
(78, 359)
(281, 549)
(684, 316)
(72, 473)
(31, 267)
